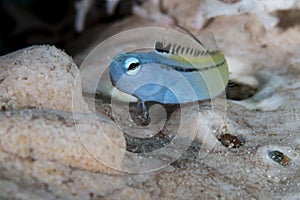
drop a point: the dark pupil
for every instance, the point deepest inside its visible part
(132, 66)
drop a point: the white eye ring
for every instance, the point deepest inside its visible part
(132, 66)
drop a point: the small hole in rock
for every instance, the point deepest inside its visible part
(239, 91)
(279, 157)
(231, 141)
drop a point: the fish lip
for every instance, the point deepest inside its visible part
(112, 80)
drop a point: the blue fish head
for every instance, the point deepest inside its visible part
(128, 73)
(125, 65)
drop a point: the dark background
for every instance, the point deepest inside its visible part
(28, 22)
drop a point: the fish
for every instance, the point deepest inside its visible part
(171, 73)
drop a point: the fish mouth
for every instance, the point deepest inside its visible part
(112, 81)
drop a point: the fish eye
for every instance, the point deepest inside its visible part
(132, 66)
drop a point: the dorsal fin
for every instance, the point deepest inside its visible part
(178, 49)
(186, 48)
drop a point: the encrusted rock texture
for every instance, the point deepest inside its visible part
(46, 125)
